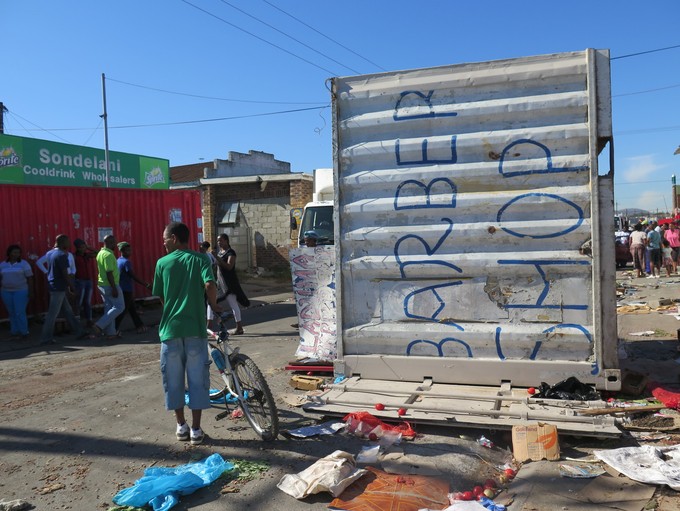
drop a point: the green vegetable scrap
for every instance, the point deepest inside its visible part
(249, 470)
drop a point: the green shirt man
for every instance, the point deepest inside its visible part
(106, 262)
(180, 280)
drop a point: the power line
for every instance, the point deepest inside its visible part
(288, 36)
(646, 91)
(101, 120)
(647, 130)
(220, 118)
(333, 73)
(645, 52)
(37, 128)
(640, 182)
(213, 97)
(324, 35)
(196, 121)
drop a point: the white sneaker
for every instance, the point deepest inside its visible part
(197, 436)
(182, 432)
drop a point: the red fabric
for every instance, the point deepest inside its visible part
(670, 398)
(363, 423)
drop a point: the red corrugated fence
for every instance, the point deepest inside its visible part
(32, 217)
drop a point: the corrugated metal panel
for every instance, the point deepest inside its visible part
(465, 195)
(34, 215)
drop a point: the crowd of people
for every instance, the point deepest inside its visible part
(71, 277)
(655, 247)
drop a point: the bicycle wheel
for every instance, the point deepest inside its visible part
(258, 407)
(218, 380)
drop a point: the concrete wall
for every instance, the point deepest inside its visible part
(265, 212)
(255, 163)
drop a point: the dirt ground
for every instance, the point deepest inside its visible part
(82, 420)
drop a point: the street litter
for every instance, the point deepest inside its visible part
(483, 504)
(569, 389)
(327, 428)
(292, 399)
(14, 505)
(646, 464)
(535, 442)
(670, 398)
(243, 472)
(331, 474)
(161, 487)
(368, 454)
(379, 490)
(363, 424)
(633, 309)
(485, 442)
(641, 334)
(580, 470)
(51, 488)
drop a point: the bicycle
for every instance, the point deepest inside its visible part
(237, 379)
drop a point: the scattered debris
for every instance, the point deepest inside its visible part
(332, 474)
(327, 428)
(535, 442)
(646, 464)
(51, 488)
(379, 490)
(580, 470)
(642, 334)
(306, 382)
(14, 505)
(368, 454)
(243, 472)
(165, 485)
(292, 399)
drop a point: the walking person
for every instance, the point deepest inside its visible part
(59, 282)
(127, 280)
(84, 276)
(667, 255)
(672, 234)
(226, 262)
(638, 240)
(204, 248)
(181, 280)
(654, 245)
(108, 284)
(16, 289)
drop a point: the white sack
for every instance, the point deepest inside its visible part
(333, 474)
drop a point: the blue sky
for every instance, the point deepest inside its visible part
(55, 52)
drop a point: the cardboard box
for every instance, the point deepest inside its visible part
(535, 442)
(306, 382)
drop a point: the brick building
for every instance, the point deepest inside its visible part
(251, 197)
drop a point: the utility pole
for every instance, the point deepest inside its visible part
(675, 195)
(106, 129)
(2, 117)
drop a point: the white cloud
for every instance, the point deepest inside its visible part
(651, 201)
(639, 168)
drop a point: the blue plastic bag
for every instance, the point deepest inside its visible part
(161, 487)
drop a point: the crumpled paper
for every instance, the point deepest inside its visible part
(333, 474)
(646, 464)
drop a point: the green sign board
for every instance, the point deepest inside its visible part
(32, 161)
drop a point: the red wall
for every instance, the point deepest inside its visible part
(32, 217)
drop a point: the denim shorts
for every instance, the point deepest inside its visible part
(185, 364)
